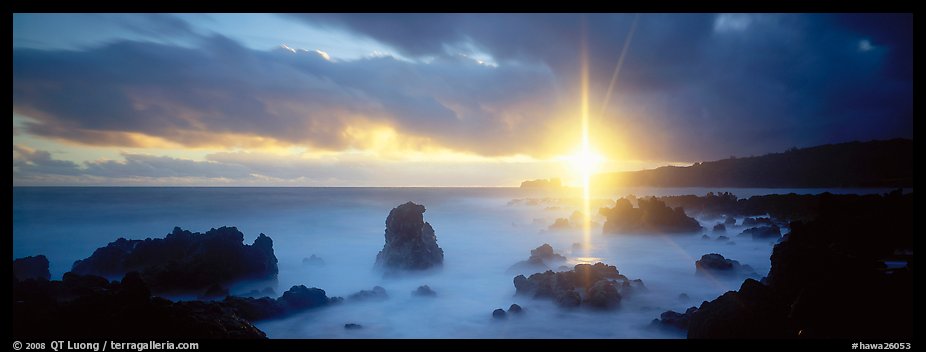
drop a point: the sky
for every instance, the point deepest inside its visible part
(438, 99)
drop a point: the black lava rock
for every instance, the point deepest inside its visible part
(424, 290)
(499, 314)
(828, 278)
(716, 263)
(31, 268)
(410, 242)
(295, 300)
(772, 232)
(598, 286)
(82, 306)
(313, 261)
(185, 261)
(675, 320)
(541, 259)
(652, 216)
(377, 293)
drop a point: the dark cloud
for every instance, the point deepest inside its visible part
(703, 85)
(693, 86)
(413, 34)
(892, 32)
(156, 25)
(197, 96)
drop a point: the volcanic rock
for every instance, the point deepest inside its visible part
(185, 261)
(652, 216)
(410, 241)
(31, 268)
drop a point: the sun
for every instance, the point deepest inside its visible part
(585, 161)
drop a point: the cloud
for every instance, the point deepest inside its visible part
(136, 165)
(35, 165)
(414, 34)
(156, 25)
(732, 22)
(693, 86)
(39, 168)
(30, 161)
(222, 91)
(697, 85)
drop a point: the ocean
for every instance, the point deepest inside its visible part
(483, 232)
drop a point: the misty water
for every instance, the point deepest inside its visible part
(482, 232)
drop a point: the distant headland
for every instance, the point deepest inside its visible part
(878, 163)
(542, 183)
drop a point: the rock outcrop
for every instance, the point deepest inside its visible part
(652, 216)
(424, 290)
(185, 261)
(828, 278)
(542, 259)
(542, 183)
(82, 306)
(377, 293)
(574, 221)
(296, 299)
(499, 314)
(560, 224)
(716, 264)
(757, 221)
(598, 286)
(410, 241)
(752, 312)
(772, 232)
(729, 220)
(545, 254)
(313, 261)
(31, 268)
(675, 320)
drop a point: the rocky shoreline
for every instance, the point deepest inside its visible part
(828, 277)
